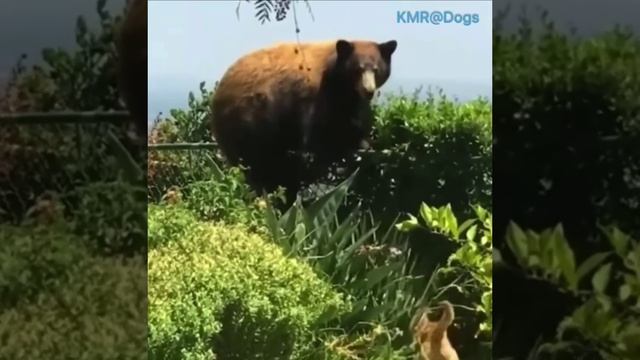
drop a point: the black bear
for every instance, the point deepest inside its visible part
(278, 102)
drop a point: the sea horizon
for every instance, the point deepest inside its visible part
(165, 100)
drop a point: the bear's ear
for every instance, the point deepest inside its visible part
(344, 49)
(387, 48)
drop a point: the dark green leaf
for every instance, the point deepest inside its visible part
(601, 278)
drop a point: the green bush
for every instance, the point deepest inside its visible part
(111, 216)
(192, 124)
(59, 302)
(223, 292)
(565, 149)
(210, 192)
(33, 260)
(466, 276)
(170, 223)
(60, 156)
(378, 272)
(434, 150)
(225, 198)
(606, 285)
(567, 130)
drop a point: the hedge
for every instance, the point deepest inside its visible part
(566, 131)
(566, 134)
(221, 292)
(436, 151)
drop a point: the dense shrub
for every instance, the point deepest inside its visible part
(60, 156)
(567, 130)
(54, 158)
(565, 150)
(112, 217)
(220, 291)
(170, 223)
(466, 275)
(226, 198)
(167, 168)
(59, 302)
(33, 259)
(434, 150)
(376, 268)
(605, 286)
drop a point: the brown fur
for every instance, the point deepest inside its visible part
(295, 97)
(432, 336)
(132, 66)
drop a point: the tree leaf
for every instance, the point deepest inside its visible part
(451, 222)
(471, 233)
(408, 225)
(600, 279)
(624, 292)
(564, 254)
(590, 264)
(619, 240)
(517, 242)
(465, 225)
(426, 212)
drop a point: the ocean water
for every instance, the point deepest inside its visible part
(163, 100)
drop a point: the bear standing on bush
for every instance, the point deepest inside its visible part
(276, 103)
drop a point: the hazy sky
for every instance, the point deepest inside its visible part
(589, 17)
(28, 26)
(194, 41)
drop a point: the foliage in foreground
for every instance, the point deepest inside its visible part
(57, 301)
(565, 139)
(606, 285)
(377, 270)
(371, 269)
(220, 291)
(350, 240)
(466, 277)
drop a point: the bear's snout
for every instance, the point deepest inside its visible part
(369, 84)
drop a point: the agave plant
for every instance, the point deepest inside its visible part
(372, 267)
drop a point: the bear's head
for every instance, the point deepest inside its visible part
(365, 65)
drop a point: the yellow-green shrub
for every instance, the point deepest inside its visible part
(170, 223)
(59, 302)
(220, 291)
